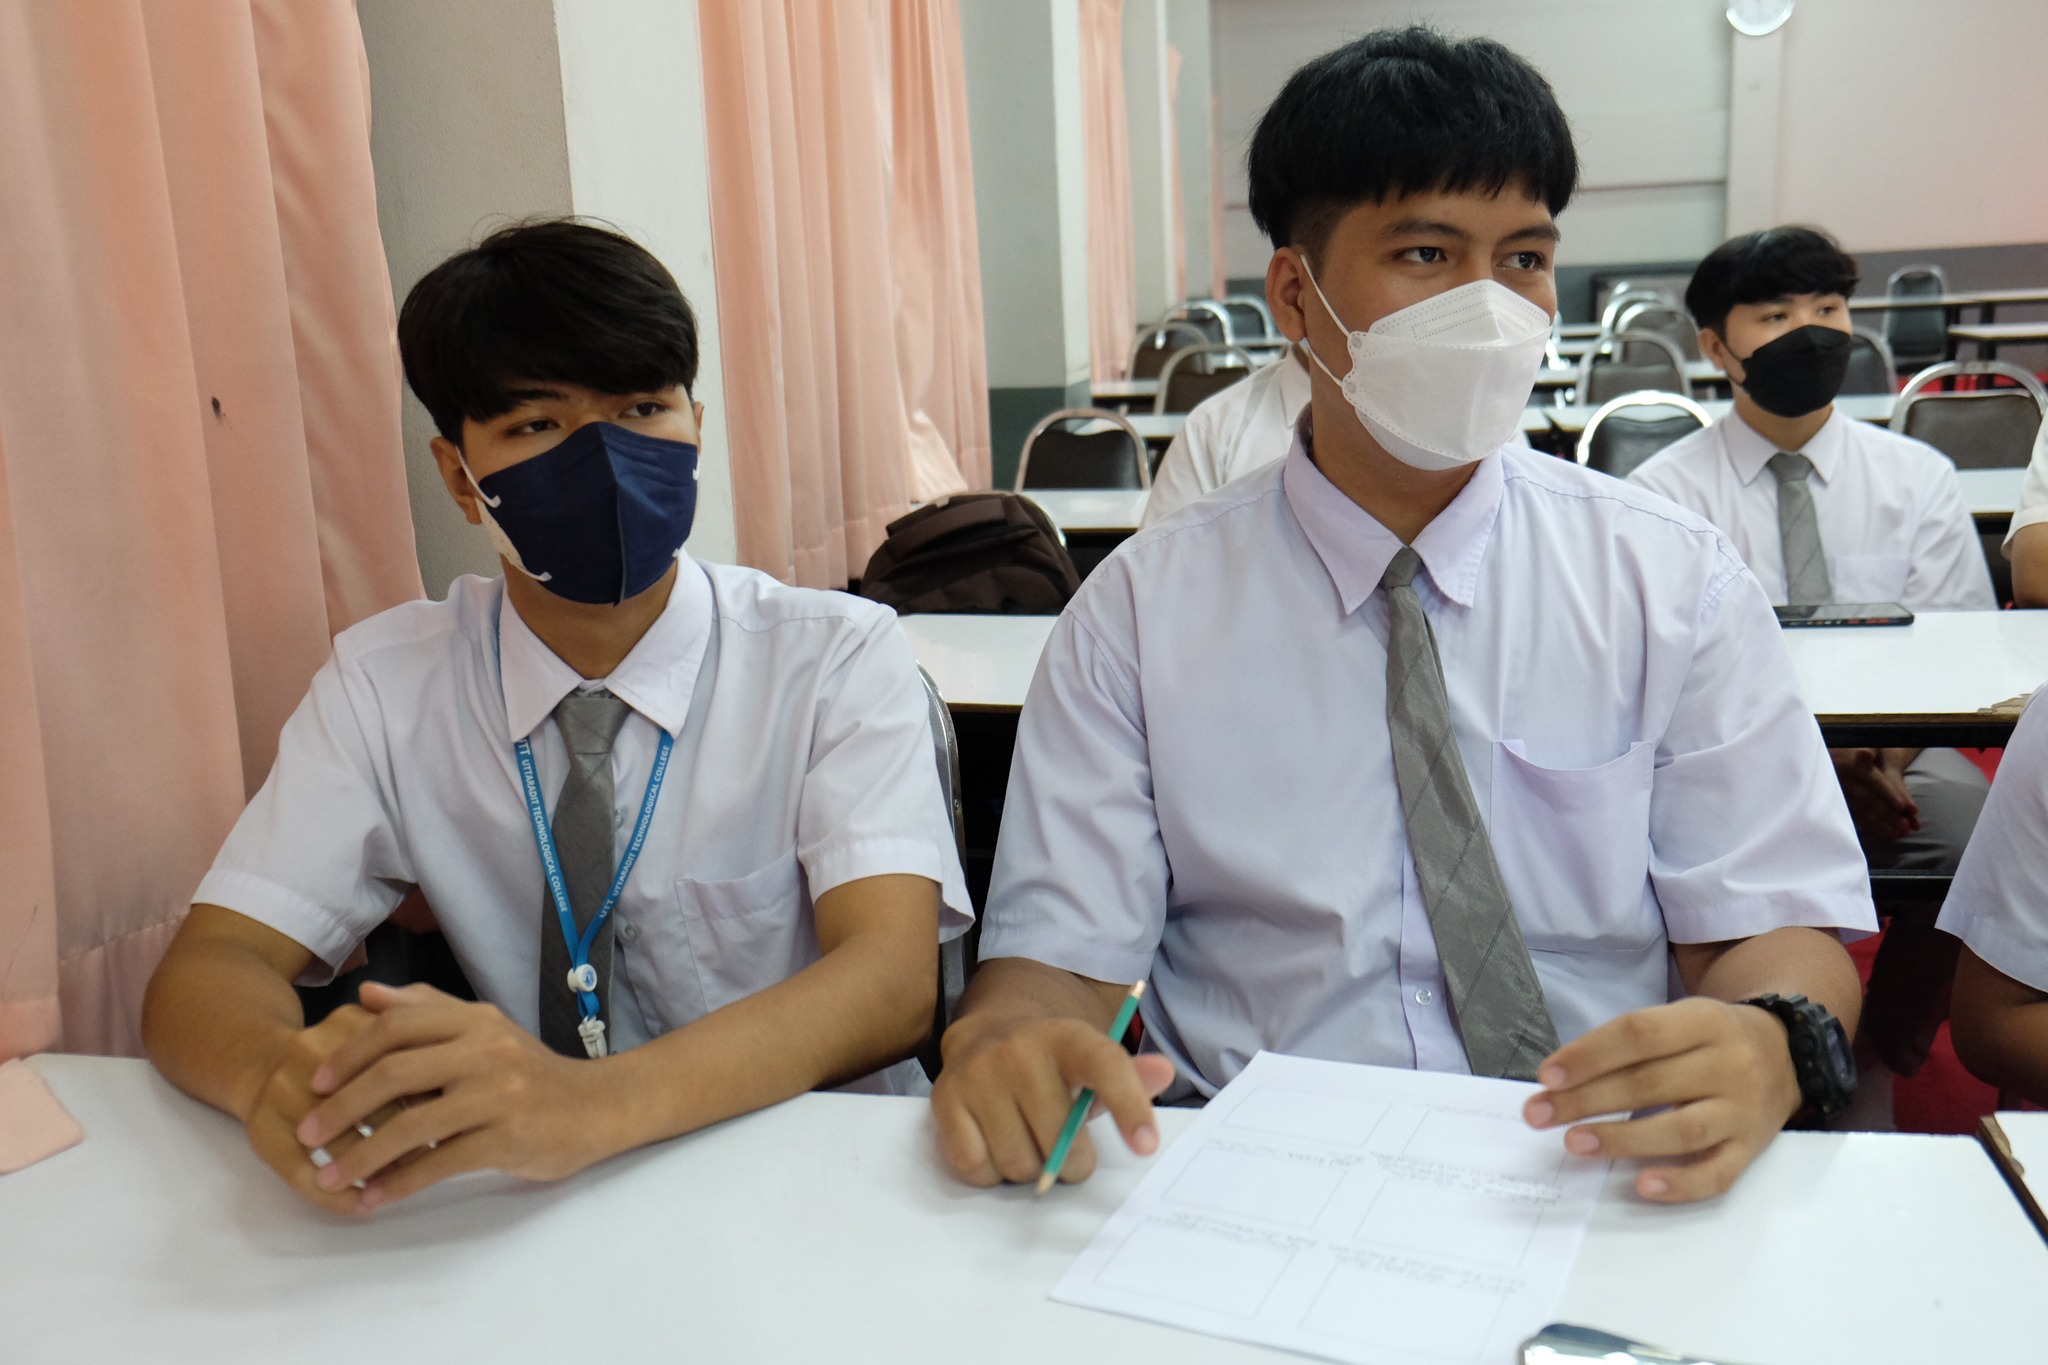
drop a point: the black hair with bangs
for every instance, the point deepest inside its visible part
(550, 300)
(1775, 263)
(1405, 111)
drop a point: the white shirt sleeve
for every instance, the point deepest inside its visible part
(1748, 829)
(1080, 874)
(871, 804)
(316, 855)
(1187, 471)
(1998, 903)
(1948, 569)
(2033, 490)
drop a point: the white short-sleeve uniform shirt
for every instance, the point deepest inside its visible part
(1998, 903)
(1892, 521)
(813, 766)
(1203, 790)
(2033, 490)
(1228, 435)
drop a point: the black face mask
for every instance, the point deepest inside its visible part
(1799, 372)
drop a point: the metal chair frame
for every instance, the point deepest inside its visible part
(1180, 357)
(1641, 398)
(1208, 306)
(1053, 419)
(1157, 329)
(1940, 277)
(1258, 301)
(1884, 348)
(1615, 341)
(1956, 369)
(1622, 297)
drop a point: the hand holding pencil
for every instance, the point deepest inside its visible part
(1030, 1037)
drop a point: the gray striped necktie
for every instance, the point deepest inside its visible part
(1496, 1000)
(584, 839)
(1806, 567)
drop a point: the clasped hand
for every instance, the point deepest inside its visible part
(479, 1093)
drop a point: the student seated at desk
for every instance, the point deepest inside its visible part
(763, 750)
(1825, 509)
(1998, 907)
(1419, 748)
(1228, 435)
(2026, 539)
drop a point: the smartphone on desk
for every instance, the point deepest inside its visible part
(1846, 614)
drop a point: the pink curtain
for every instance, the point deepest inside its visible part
(1106, 135)
(1218, 272)
(1177, 212)
(201, 474)
(849, 292)
(939, 337)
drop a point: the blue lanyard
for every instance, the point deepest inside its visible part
(544, 838)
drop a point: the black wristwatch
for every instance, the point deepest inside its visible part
(1821, 1058)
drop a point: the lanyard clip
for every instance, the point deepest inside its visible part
(592, 1030)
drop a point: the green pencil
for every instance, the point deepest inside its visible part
(1082, 1101)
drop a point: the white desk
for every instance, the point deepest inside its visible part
(1861, 407)
(1112, 391)
(1926, 682)
(1991, 493)
(1157, 426)
(824, 1229)
(1566, 376)
(1092, 510)
(980, 663)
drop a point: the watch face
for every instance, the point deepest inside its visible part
(1758, 17)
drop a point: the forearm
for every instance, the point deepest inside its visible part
(215, 1019)
(863, 1005)
(2030, 566)
(1790, 961)
(2001, 1029)
(1006, 989)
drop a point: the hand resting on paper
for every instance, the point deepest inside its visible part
(1031, 1037)
(1724, 1070)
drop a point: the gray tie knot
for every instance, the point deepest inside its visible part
(590, 722)
(1791, 468)
(1402, 570)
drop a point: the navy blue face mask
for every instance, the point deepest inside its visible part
(598, 518)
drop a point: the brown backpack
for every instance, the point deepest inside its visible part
(974, 552)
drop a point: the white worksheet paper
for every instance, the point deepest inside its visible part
(1360, 1213)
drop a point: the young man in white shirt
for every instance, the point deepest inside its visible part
(2026, 539)
(677, 819)
(1998, 907)
(1785, 471)
(1228, 435)
(1418, 748)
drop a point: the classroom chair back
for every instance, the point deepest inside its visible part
(1629, 362)
(1628, 430)
(1917, 336)
(1981, 428)
(1198, 373)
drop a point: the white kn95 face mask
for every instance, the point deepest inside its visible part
(1442, 383)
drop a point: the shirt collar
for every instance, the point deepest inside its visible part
(1356, 549)
(655, 678)
(1750, 453)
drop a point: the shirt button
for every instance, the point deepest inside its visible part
(1425, 996)
(628, 932)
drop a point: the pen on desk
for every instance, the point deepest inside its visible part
(1086, 1098)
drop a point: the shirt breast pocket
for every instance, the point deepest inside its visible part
(1573, 846)
(1870, 578)
(747, 933)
